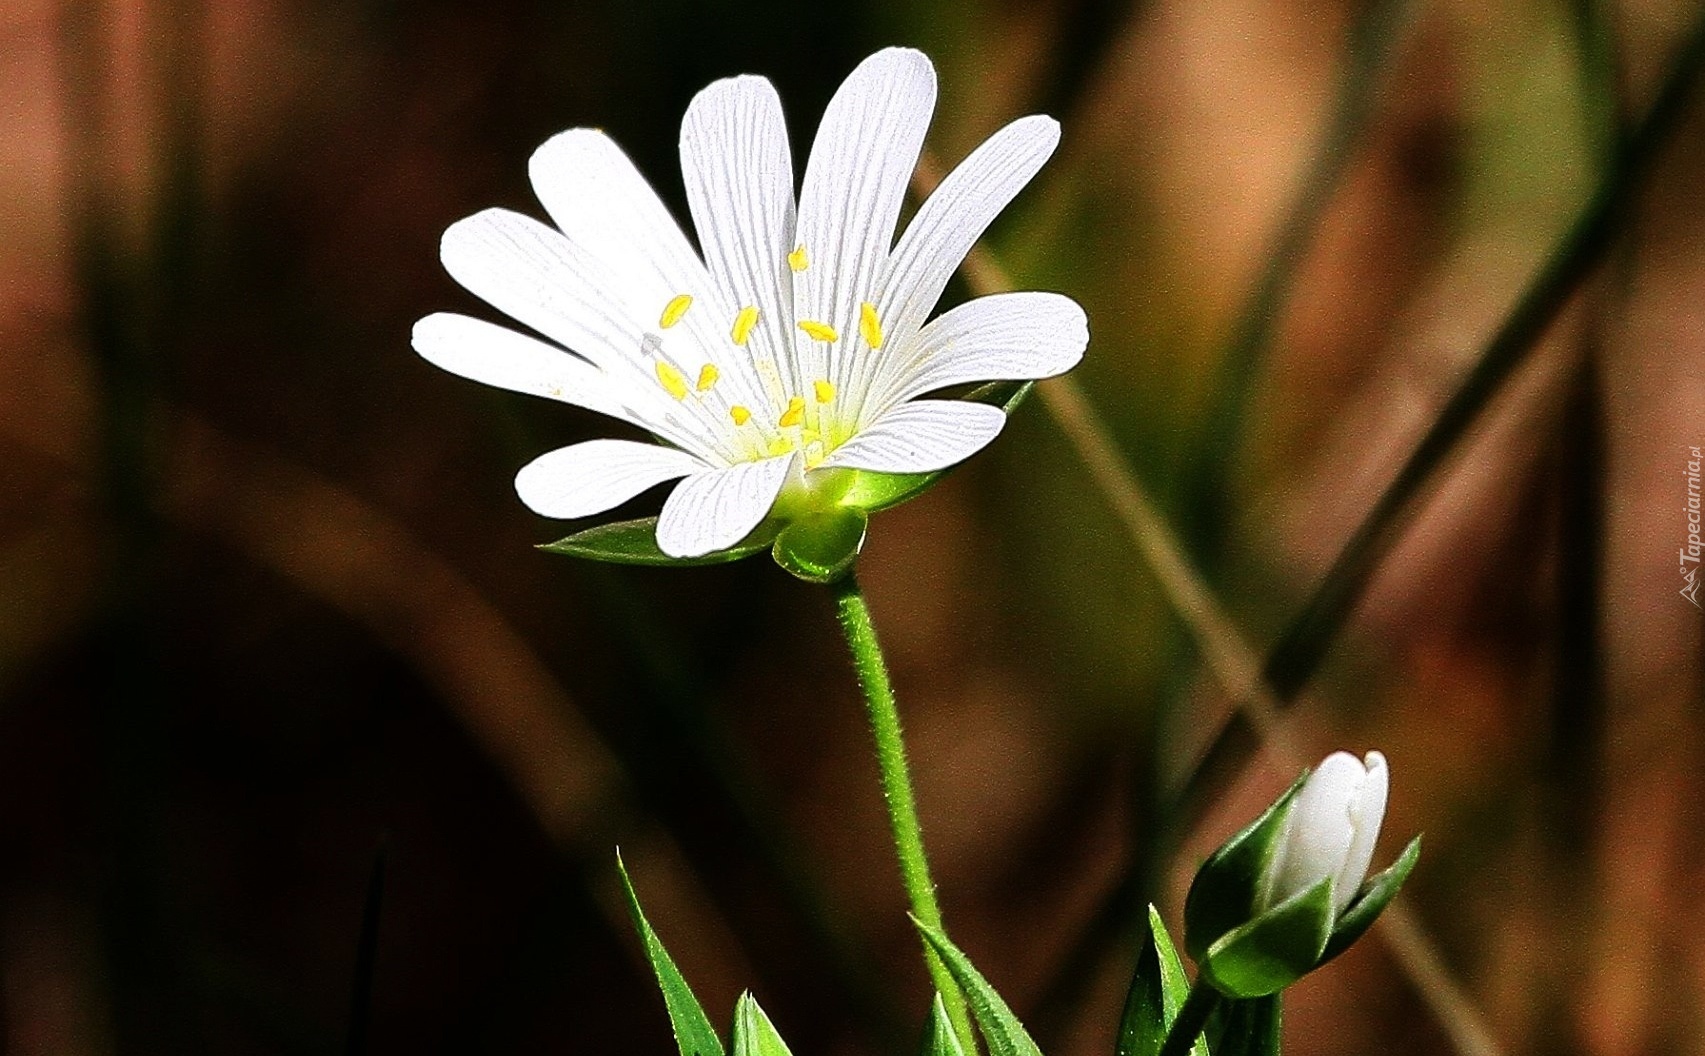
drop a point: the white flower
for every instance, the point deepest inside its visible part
(796, 344)
(1331, 831)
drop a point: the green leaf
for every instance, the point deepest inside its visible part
(1250, 1028)
(754, 1034)
(1376, 893)
(1005, 1035)
(821, 548)
(1158, 989)
(872, 491)
(1275, 949)
(1226, 891)
(941, 1040)
(635, 543)
(694, 1035)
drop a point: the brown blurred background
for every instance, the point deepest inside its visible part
(269, 599)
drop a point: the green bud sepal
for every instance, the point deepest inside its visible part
(1226, 892)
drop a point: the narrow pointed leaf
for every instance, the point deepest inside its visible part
(694, 1035)
(1001, 1029)
(635, 543)
(754, 1034)
(940, 1039)
(1158, 989)
(1375, 895)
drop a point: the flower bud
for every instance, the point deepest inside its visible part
(1331, 830)
(1291, 891)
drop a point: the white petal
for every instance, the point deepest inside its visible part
(739, 177)
(861, 163)
(955, 216)
(528, 271)
(1005, 336)
(921, 437)
(716, 509)
(1319, 832)
(588, 478)
(607, 209)
(494, 355)
(1367, 812)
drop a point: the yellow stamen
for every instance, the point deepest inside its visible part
(794, 414)
(743, 324)
(869, 326)
(818, 331)
(796, 260)
(707, 377)
(676, 308)
(779, 446)
(825, 391)
(740, 414)
(673, 382)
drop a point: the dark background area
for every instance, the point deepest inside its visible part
(267, 599)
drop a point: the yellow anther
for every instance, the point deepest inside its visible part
(794, 414)
(740, 414)
(869, 326)
(707, 377)
(823, 390)
(743, 324)
(818, 331)
(796, 260)
(673, 383)
(676, 308)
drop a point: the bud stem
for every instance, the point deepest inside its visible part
(1192, 1018)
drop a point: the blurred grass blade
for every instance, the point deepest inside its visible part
(1309, 636)
(1371, 41)
(1158, 989)
(694, 1034)
(1001, 1029)
(366, 955)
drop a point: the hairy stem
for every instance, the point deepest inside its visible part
(897, 790)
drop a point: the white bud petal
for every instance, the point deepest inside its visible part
(1333, 824)
(1367, 811)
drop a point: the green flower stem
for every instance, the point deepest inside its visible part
(1192, 1018)
(897, 789)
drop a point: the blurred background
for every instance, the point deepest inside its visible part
(268, 602)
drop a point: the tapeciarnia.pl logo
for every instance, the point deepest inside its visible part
(1688, 556)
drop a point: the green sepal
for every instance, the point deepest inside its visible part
(1376, 893)
(1275, 949)
(940, 1040)
(872, 491)
(1249, 1028)
(694, 1035)
(821, 548)
(1227, 889)
(1001, 1029)
(1158, 990)
(754, 1034)
(635, 543)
